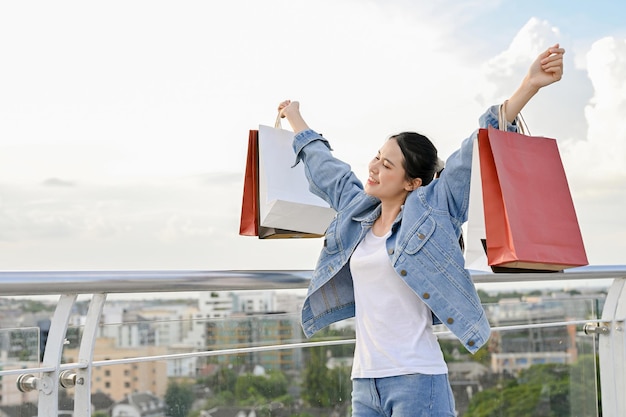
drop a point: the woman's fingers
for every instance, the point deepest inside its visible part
(283, 104)
(554, 67)
(552, 62)
(552, 58)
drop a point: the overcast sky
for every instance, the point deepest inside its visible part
(124, 124)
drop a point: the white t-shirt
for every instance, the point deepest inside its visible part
(394, 333)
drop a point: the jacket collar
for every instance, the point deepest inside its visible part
(369, 218)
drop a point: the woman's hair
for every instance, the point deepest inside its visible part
(420, 156)
(421, 160)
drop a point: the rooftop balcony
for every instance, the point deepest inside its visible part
(236, 350)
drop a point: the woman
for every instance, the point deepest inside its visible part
(392, 259)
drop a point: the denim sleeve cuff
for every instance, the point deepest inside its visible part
(490, 118)
(301, 139)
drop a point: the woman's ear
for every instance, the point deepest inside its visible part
(414, 184)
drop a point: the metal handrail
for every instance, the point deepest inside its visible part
(22, 283)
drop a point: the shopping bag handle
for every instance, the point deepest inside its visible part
(277, 124)
(522, 127)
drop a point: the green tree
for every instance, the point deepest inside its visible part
(178, 399)
(258, 389)
(540, 391)
(223, 398)
(32, 306)
(584, 386)
(247, 389)
(337, 351)
(316, 378)
(325, 387)
(485, 298)
(222, 380)
(482, 355)
(339, 385)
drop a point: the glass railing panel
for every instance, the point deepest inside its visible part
(321, 387)
(255, 334)
(534, 364)
(530, 368)
(19, 349)
(245, 368)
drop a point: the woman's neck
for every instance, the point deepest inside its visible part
(388, 215)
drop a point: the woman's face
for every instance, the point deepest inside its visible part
(387, 177)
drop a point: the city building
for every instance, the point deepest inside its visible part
(117, 381)
(532, 343)
(139, 404)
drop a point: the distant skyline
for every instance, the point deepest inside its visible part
(123, 125)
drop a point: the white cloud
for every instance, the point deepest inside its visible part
(557, 110)
(604, 152)
(512, 64)
(597, 165)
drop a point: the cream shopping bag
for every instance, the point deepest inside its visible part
(285, 201)
(475, 254)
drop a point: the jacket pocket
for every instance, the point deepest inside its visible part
(420, 235)
(331, 243)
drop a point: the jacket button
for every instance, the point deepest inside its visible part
(470, 343)
(421, 235)
(403, 273)
(390, 251)
(450, 320)
(426, 296)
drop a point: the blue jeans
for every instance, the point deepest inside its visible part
(415, 395)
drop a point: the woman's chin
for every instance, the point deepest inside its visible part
(368, 190)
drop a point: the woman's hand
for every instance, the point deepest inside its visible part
(288, 108)
(291, 111)
(545, 70)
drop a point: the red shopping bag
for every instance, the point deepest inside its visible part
(530, 219)
(249, 222)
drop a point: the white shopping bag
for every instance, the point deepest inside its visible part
(475, 254)
(285, 201)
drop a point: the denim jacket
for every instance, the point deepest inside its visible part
(423, 247)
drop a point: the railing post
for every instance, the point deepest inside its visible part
(48, 385)
(82, 393)
(612, 350)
